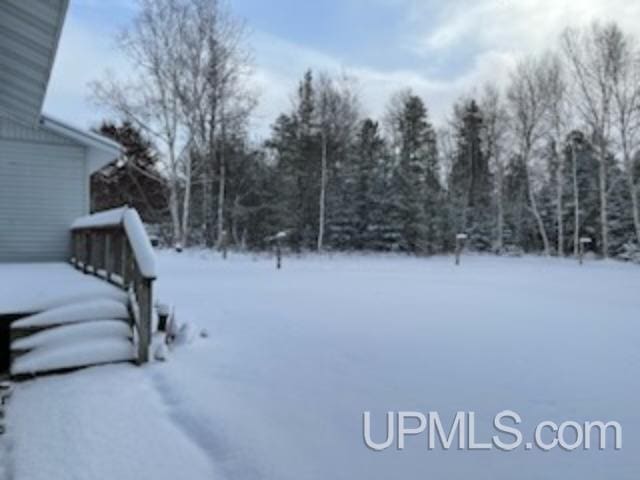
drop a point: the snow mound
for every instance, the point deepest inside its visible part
(103, 309)
(72, 334)
(87, 353)
(115, 294)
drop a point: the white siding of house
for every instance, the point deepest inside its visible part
(43, 188)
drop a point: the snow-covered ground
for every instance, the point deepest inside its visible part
(295, 357)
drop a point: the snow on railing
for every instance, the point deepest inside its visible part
(108, 218)
(140, 243)
(114, 246)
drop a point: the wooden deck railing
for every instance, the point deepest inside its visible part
(114, 246)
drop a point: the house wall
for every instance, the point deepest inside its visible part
(44, 186)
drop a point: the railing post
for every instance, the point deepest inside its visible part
(87, 251)
(95, 252)
(108, 264)
(125, 260)
(74, 249)
(146, 311)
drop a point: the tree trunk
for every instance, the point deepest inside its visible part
(222, 185)
(207, 203)
(175, 212)
(500, 201)
(534, 209)
(559, 202)
(635, 208)
(604, 218)
(323, 193)
(186, 203)
(174, 207)
(576, 202)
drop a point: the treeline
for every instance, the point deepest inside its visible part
(534, 168)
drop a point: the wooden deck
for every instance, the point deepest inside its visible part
(114, 248)
(27, 288)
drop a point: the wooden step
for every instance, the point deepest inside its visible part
(74, 355)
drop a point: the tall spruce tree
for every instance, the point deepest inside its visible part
(417, 176)
(470, 182)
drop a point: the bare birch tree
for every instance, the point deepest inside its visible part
(575, 142)
(188, 65)
(558, 118)
(591, 56)
(148, 98)
(495, 137)
(626, 121)
(215, 65)
(527, 106)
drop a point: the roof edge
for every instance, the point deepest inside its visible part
(85, 137)
(59, 25)
(101, 150)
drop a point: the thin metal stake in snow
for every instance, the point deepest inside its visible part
(461, 240)
(277, 241)
(583, 246)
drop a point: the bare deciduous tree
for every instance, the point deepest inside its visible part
(188, 65)
(626, 110)
(148, 97)
(495, 137)
(559, 119)
(528, 106)
(591, 56)
(212, 89)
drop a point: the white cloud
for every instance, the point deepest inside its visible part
(517, 24)
(280, 66)
(496, 32)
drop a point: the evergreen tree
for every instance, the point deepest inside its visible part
(357, 204)
(417, 177)
(520, 228)
(296, 149)
(133, 179)
(470, 182)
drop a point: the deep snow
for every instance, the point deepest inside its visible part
(295, 357)
(28, 288)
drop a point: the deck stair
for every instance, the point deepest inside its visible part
(78, 335)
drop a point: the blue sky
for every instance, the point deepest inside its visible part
(441, 49)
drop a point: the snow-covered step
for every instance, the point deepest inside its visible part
(68, 337)
(73, 299)
(75, 355)
(101, 309)
(70, 334)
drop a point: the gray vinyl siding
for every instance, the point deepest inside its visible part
(43, 188)
(29, 34)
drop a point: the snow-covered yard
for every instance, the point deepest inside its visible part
(295, 357)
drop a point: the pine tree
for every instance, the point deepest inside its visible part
(296, 149)
(520, 228)
(470, 182)
(417, 177)
(359, 205)
(132, 179)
